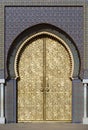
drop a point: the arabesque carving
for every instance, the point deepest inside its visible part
(45, 88)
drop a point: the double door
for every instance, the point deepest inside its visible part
(44, 87)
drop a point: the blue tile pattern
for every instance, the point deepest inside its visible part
(69, 19)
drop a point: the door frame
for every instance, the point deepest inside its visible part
(12, 69)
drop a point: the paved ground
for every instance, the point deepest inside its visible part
(43, 126)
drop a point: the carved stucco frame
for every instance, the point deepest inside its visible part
(48, 34)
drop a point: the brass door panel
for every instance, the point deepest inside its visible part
(44, 88)
(58, 83)
(30, 98)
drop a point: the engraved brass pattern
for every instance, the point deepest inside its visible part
(58, 98)
(45, 87)
(37, 35)
(30, 98)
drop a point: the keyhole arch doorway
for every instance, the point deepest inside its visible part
(44, 65)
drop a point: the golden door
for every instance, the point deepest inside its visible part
(44, 87)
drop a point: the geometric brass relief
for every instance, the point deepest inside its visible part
(59, 97)
(30, 98)
(44, 87)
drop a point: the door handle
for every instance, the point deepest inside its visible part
(42, 89)
(47, 88)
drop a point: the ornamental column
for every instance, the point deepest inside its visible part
(2, 118)
(85, 118)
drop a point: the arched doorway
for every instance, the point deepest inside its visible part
(45, 67)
